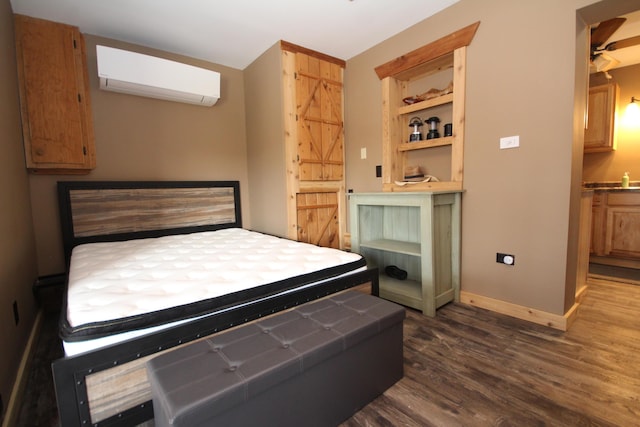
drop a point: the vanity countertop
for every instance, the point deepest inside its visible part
(611, 186)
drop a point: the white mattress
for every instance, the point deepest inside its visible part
(115, 280)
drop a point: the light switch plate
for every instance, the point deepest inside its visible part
(510, 142)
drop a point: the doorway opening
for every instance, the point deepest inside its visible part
(612, 253)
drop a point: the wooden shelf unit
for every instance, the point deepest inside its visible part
(418, 232)
(423, 105)
(447, 54)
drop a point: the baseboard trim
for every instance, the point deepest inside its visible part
(13, 407)
(555, 321)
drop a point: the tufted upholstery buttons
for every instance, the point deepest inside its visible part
(228, 372)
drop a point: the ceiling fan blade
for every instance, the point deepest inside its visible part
(605, 30)
(621, 44)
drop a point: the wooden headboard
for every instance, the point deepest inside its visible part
(106, 211)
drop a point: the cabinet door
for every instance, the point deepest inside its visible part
(600, 133)
(319, 119)
(54, 96)
(623, 232)
(318, 219)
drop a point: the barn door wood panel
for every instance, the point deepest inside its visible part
(318, 219)
(314, 145)
(319, 119)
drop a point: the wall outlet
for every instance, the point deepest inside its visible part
(505, 259)
(16, 315)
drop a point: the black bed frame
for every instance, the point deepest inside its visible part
(69, 373)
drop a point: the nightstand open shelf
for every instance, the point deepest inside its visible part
(418, 232)
(405, 292)
(408, 248)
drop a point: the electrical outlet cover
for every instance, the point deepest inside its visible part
(506, 259)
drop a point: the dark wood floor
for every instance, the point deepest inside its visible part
(471, 367)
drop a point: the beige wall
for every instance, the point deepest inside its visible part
(148, 139)
(521, 80)
(17, 249)
(265, 142)
(612, 165)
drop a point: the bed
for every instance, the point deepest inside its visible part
(102, 378)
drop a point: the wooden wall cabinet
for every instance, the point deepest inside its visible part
(600, 135)
(54, 97)
(446, 55)
(418, 232)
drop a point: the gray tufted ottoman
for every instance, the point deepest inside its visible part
(315, 365)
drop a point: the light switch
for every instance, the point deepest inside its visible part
(510, 142)
(363, 153)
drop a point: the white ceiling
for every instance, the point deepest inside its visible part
(234, 33)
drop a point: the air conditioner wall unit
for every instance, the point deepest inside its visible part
(143, 75)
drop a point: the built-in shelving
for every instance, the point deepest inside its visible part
(427, 143)
(423, 105)
(446, 55)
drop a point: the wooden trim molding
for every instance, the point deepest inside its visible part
(555, 321)
(346, 238)
(434, 50)
(290, 47)
(15, 400)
